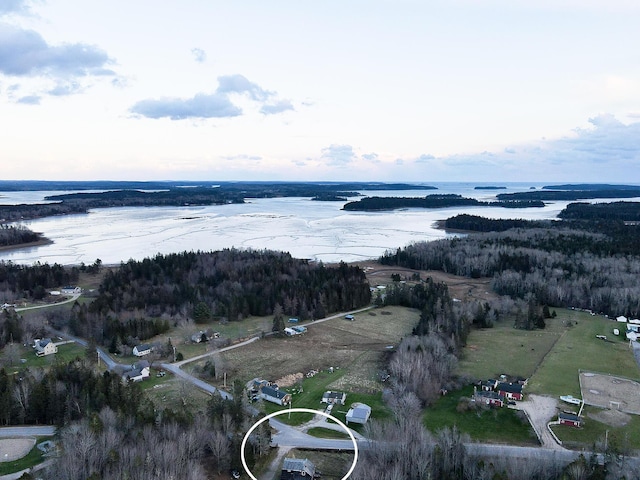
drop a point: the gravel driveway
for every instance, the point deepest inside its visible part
(541, 410)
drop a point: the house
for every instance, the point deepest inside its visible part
(511, 391)
(136, 374)
(71, 290)
(274, 395)
(293, 320)
(290, 332)
(142, 350)
(334, 398)
(297, 469)
(621, 319)
(198, 337)
(569, 419)
(491, 398)
(358, 413)
(44, 347)
(299, 329)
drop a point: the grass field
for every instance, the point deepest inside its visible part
(494, 425)
(175, 393)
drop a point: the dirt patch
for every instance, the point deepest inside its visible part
(613, 418)
(610, 392)
(15, 448)
(289, 380)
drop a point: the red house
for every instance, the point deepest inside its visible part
(569, 419)
(511, 391)
(489, 398)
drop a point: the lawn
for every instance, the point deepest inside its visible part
(320, 432)
(66, 353)
(579, 349)
(332, 465)
(619, 437)
(503, 349)
(493, 425)
(311, 396)
(34, 457)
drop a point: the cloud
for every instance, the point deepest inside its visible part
(217, 104)
(66, 88)
(424, 158)
(199, 106)
(26, 53)
(338, 155)
(30, 100)
(199, 55)
(8, 7)
(240, 84)
(371, 157)
(277, 107)
(253, 158)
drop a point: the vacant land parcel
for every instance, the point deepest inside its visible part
(355, 346)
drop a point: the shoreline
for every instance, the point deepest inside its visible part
(19, 246)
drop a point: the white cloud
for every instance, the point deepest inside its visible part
(201, 105)
(338, 155)
(277, 107)
(199, 55)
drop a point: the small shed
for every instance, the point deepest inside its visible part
(349, 317)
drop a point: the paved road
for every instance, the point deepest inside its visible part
(30, 431)
(68, 300)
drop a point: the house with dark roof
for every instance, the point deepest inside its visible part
(334, 397)
(297, 469)
(491, 398)
(44, 346)
(142, 350)
(511, 391)
(569, 419)
(136, 374)
(274, 395)
(358, 413)
(489, 385)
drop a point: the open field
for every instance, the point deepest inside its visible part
(502, 349)
(608, 391)
(31, 457)
(579, 349)
(355, 347)
(175, 393)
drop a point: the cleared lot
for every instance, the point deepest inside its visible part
(357, 346)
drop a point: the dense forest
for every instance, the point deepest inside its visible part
(432, 201)
(552, 195)
(141, 299)
(592, 265)
(625, 211)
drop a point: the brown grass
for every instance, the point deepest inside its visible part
(356, 346)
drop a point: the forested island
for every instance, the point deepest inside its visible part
(550, 195)
(433, 201)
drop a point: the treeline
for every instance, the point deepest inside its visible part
(432, 201)
(625, 211)
(475, 223)
(16, 234)
(65, 393)
(560, 267)
(232, 284)
(551, 195)
(31, 281)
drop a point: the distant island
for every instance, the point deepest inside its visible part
(175, 194)
(547, 195)
(490, 187)
(591, 187)
(432, 201)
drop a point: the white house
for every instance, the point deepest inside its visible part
(70, 290)
(142, 350)
(334, 397)
(274, 395)
(44, 347)
(136, 374)
(358, 413)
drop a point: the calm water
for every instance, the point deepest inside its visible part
(306, 229)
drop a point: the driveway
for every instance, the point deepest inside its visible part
(541, 410)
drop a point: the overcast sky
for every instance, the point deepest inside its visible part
(389, 90)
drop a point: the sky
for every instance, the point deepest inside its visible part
(376, 90)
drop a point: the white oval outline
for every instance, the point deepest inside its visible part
(301, 410)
